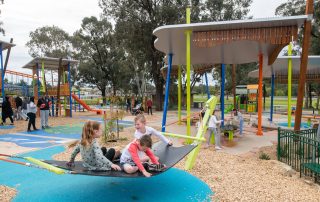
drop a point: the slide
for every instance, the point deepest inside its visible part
(99, 111)
(231, 107)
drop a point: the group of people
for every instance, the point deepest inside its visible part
(149, 105)
(214, 125)
(26, 109)
(137, 155)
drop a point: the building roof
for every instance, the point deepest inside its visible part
(49, 63)
(228, 42)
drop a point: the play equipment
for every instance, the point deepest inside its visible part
(252, 94)
(85, 106)
(220, 42)
(168, 155)
(59, 89)
(4, 46)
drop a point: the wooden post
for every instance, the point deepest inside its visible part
(234, 85)
(259, 132)
(303, 65)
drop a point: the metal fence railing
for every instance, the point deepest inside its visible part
(300, 150)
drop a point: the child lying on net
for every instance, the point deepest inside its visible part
(131, 162)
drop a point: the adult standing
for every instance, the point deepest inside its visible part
(25, 107)
(43, 104)
(7, 110)
(149, 105)
(31, 112)
(19, 103)
(128, 104)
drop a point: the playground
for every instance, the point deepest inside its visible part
(238, 143)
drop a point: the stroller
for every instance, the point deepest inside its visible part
(137, 110)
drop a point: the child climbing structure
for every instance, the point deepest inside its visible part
(59, 87)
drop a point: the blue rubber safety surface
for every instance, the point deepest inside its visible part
(6, 127)
(29, 141)
(41, 185)
(60, 135)
(302, 125)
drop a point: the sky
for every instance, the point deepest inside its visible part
(20, 17)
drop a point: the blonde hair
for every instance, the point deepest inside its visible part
(140, 118)
(88, 132)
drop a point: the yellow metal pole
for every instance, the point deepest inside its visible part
(188, 62)
(179, 95)
(289, 83)
(210, 105)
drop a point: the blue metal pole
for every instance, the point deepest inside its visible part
(207, 85)
(165, 107)
(272, 94)
(223, 78)
(2, 73)
(38, 81)
(70, 87)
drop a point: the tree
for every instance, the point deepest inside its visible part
(136, 20)
(102, 61)
(49, 41)
(297, 7)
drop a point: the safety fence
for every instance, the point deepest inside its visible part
(300, 150)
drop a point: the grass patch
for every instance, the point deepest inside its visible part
(264, 156)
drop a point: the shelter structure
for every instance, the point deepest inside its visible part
(4, 46)
(63, 86)
(285, 70)
(226, 42)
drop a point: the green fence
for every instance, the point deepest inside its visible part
(300, 150)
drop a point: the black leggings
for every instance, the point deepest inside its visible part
(109, 154)
(4, 117)
(32, 120)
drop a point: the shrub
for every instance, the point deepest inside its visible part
(264, 156)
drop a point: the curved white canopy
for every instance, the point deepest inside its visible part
(280, 66)
(171, 39)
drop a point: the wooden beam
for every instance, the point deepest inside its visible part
(303, 65)
(274, 55)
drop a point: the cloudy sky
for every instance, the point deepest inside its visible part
(22, 16)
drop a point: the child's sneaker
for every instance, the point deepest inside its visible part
(157, 167)
(218, 148)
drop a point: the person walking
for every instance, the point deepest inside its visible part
(7, 111)
(31, 112)
(25, 107)
(149, 105)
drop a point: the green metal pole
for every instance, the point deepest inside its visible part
(179, 95)
(289, 83)
(188, 61)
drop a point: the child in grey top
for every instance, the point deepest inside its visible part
(90, 151)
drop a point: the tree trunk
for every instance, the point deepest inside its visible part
(306, 102)
(103, 92)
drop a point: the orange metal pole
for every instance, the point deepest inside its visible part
(303, 66)
(259, 132)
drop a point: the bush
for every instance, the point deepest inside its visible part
(264, 156)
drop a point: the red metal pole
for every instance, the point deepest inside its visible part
(259, 132)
